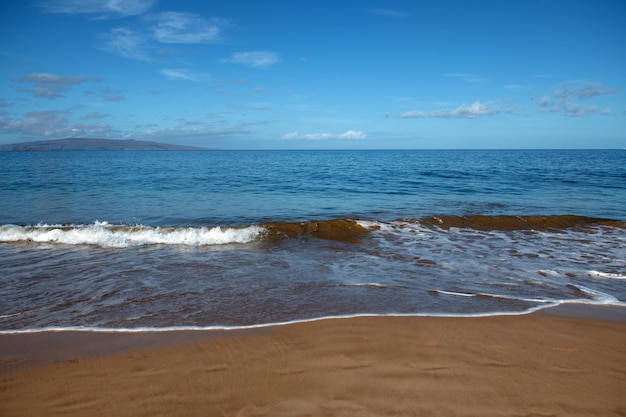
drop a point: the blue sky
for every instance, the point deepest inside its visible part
(319, 75)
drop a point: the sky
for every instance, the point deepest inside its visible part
(339, 74)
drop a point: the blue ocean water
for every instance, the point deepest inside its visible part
(244, 187)
(160, 239)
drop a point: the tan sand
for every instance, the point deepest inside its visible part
(534, 365)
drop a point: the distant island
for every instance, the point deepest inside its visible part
(85, 144)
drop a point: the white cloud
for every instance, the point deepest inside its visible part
(578, 111)
(163, 28)
(53, 123)
(47, 85)
(184, 133)
(61, 124)
(182, 27)
(214, 127)
(254, 59)
(104, 8)
(567, 100)
(185, 74)
(347, 135)
(584, 91)
(477, 109)
(126, 43)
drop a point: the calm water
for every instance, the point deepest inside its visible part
(133, 240)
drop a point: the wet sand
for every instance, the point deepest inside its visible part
(562, 363)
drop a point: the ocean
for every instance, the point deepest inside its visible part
(160, 240)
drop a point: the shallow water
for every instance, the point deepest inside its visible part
(131, 240)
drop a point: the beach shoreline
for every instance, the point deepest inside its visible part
(562, 361)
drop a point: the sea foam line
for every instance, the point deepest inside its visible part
(595, 297)
(300, 321)
(253, 326)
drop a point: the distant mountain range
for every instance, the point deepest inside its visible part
(83, 144)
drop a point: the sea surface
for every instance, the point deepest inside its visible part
(136, 240)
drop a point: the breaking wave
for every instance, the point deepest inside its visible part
(105, 234)
(112, 236)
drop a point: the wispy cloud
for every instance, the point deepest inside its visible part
(569, 99)
(583, 92)
(102, 8)
(516, 87)
(387, 12)
(143, 44)
(251, 106)
(181, 27)
(48, 86)
(347, 135)
(186, 74)
(477, 109)
(190, 131)
(126, 43)
(253, 59)
(211, 129)
(259, 106)
(114, 96)
(544, 102)
(53, 123)
(94, 116)
(108, 94)
(468, 78)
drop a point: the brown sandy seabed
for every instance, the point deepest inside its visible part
(533, 365)
(350, 231)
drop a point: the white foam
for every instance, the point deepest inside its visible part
(599, 297)
(548, 272)
(364, 284)
(608, 275)
(456, 294)
(595, 298)
(374, 225)
(546, 304)
(482, 294)
(257, 326)
(105, 235)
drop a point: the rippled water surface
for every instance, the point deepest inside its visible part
(133, 240)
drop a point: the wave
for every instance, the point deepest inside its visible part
(538, 223)
(105, 235)
(347, 230)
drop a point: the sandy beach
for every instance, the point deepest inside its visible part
(532, 365)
